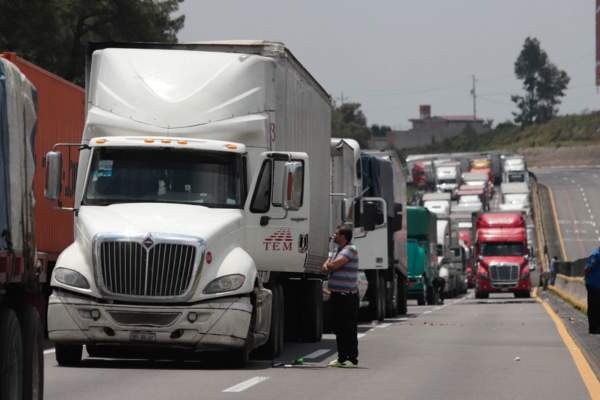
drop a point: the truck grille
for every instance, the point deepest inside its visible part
(143, 269)
(504, 273)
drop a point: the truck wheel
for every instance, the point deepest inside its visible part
(421, 297)
(11, 356)
(431, 296)
(481, 295)
(402, 296)
(391, 300)
(68, 355)
(312, 311)
(381, 296)
(373, 295)
(33, 354)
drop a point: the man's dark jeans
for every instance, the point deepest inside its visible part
(593, 310)
(344, 313)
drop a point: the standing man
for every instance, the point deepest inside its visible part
(553, 269)
(343, 285)
(592, 284)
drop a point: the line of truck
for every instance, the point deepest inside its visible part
(484, 200)
(197, 201)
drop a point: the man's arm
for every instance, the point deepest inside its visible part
(338, 263)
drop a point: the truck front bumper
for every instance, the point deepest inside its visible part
(214, 324)
(522, 285)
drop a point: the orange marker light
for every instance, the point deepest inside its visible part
(101, 141)
(182, 142)
(231, 146)
(148, 140)
(166, 141)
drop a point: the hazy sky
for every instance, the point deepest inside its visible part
(393, 55)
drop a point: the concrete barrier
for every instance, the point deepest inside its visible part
(571, 289)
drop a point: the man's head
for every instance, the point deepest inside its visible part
(343, 235)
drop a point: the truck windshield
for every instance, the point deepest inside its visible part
(516, 177)
(502, 249)
(165, 175)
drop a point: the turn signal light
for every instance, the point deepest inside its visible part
(101, 141)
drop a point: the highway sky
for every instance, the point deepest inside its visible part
(393, 55)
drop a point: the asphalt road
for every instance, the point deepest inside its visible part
(467, 349)
(577, 198)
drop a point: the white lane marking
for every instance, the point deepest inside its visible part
(50, 351)
(427, 312)
(240, 387)
(317, 354)
(396, 319)
(381, 326)
(361, 335)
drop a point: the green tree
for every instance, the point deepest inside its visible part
(348, 121)
(380, 131)
(543, 82)
(55, 33)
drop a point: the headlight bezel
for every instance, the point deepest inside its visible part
(70, 277)
(225, 284)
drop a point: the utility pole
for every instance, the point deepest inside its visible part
(474, 94)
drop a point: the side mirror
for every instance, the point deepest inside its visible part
(369, 215)
(53, 175)
(293, 184)
(531, 267)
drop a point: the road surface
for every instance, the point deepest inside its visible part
(577, 198)
(501, 348)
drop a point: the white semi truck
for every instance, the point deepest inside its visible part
(202, 202)
(373, 184)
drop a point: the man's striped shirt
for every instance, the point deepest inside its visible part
(345, 278)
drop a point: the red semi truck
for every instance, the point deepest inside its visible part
(502, 255)
(36, 110)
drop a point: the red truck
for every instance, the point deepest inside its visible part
(502, 255)
(36, 110)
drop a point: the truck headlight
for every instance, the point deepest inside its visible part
(71, 278)
(225, 283)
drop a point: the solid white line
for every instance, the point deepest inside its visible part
(396, 319)
(50, 351)
(240, 387)
(317, 354)
(427, 312)
(361, 335)
(383, 325)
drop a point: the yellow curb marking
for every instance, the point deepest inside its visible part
(587, 374)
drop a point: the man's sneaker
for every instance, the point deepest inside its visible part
(349, 364)
(336, 364)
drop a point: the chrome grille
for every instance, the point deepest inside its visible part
(143, 269)
(501, 273)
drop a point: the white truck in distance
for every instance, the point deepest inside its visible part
(447, 177)
(515, 197)
(202, 202)
(514, 169)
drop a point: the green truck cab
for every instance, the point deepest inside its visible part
(422, 255)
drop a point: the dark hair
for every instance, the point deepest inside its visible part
(346, 231)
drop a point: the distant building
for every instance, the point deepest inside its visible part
(428, 129)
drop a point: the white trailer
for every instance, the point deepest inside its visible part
(202, 202)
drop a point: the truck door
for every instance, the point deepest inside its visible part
(277, 212)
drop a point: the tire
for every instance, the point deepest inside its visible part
(374, 311)
(11, 356)
(68, 355)
(312, 311)
(391, 298)
(422, 297)
(33, 353)
(481, 295)
(522, 295)
(382, 296)
(402, 296)
(431, 296)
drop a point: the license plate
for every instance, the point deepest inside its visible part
(142, 337)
